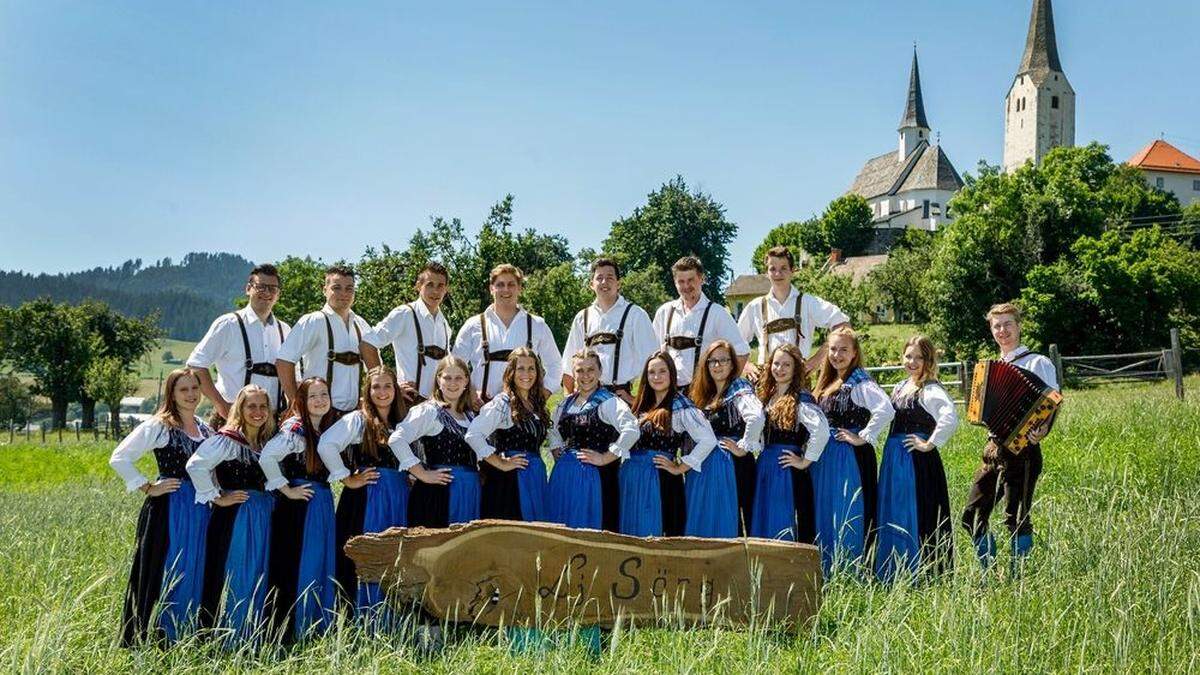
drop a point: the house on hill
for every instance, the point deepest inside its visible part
(1169, 169)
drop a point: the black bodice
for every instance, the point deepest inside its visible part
(448, 446)
(911, 417)
(173, 456)
(653, 438)
(726, 420)
(241, 473)
(842, 412)
(798, 436)
(355, 459)
(585, 429)
(526, 434)
(295, 467)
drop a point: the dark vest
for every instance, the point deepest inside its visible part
(585, 429)
(173, 456)
(773, 434)
(842, 412)
(911, 417)
(448, 446)
(527, 434)
(241, 473)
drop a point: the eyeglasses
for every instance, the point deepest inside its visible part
(719, 361)
(270, 289)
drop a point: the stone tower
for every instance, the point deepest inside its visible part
(1039, 110)
(914, 128)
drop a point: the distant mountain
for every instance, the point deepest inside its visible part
(188, 295)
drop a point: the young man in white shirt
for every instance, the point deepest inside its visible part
(485, 340)
(786, 315)
(1018, 473)
(330, 343)
(687, 325)
(619, 331)
(419, 334)
(243, 346)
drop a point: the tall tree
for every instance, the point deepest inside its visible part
(16, 403)
(300, 283)
(108, 380)
(49, 342)
(122, 338)
(673, 223)
(798, 236)
(846, 225)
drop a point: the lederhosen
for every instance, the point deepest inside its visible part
(426, 351)
(614, 339)
(1012, 476)
(682, 342)
(585, 429)
(843, 413)
(670, 485)
(727, 422)
(345, 358)
(934, 529)
(429, 505)
(803, 498)
(501, 355)
(780, 325)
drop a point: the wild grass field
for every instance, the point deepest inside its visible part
(1113, 585)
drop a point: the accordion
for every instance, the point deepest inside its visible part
(1010, 401)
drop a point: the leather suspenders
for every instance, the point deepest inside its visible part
(344, 358)
(422, 349)
(780, 325)
(500, 355)
(608, 338)
(681, 342)
(265, 369)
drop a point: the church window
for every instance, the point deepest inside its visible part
(1054, 102)
(925, 210)
(1196, 185)
(1158, 182)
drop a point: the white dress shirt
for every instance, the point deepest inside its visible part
(814, 313)
(213, 451)
(309, 340)
(289, 440)
(222, 347)
(422, 420)
(339, 436)
(720, 326)
(638, 343)
(934, 399)
(151, 434)
(1040, 365)
(399, 330)
(468, 346)
(612, 411)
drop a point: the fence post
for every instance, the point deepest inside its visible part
(43, 428)
(1056, 359)
(1177, 366)
(968, 374)
(60, 434)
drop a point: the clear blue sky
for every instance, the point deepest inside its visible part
(150, 129)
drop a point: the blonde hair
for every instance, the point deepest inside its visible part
(830, 379)
(506, 268)
(237, 416)
(465, 402)
(1004, 308)
(783, 411)
(929, 365)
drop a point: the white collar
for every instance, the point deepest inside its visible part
(1008, 356)
(699, 303)
(329, 311)
(250, 317)
(791, 297)
(619, 304)
(491, 309)
(421, 308)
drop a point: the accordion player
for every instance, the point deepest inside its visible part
(1010, 402)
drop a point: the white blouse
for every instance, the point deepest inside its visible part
(934, 399)
(422, 420)
(871, 396)
(151, 434)
(344, 433)
(692, 421)
(495, 414)
(750, 409)
(282, 444)
(612, 412)
(818, 429)
(213, 451)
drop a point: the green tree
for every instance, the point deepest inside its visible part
(846, 225)
(798, 236)
(900, 281)
(108, 380)
(673, 223)
(124, 338)
(557, 294)
(16, 403)
(856, 300)
(49, 342)
(300, 284)
(643, 287)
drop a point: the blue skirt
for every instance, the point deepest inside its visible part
(899, 546)
(531, 482)
(573, 493)
(464, 494)
(641, 495)
(387, 506)
(712, 498)
(774, 498)
(316, 587)
(246, 566)
(183, 569)
(840, 511)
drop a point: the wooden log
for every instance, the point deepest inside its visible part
(497, 572)
(1177, 368)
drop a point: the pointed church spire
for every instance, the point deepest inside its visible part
(1041, 46)
(914, 110)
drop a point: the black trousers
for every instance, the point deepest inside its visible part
(1012, 477)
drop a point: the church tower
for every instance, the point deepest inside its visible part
(914, 128)
(1039, 111)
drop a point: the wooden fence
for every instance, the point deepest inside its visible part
(1092, 369)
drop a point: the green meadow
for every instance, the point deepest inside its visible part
(1113, 585)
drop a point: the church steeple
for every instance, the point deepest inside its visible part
(914, 128)
(1039, 110)
(1041, 46)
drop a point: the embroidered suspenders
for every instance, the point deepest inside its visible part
(682, 342)
(608, 338)
(501, 355)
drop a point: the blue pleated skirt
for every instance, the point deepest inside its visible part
(573, 493)
(464, 493)
(533, 486)
(774, 499)
(712, 498)
(839, 505)
(246, 566)
(183, 567)
(316, 587)
(387, 506)
(898, 551)
(641, 495)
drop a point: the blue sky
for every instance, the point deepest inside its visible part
(150, 129)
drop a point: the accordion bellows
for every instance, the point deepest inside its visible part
(1010, 401)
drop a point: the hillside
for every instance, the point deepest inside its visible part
(187, 294)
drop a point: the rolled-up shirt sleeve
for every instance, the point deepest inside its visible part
(696, 425)
(825, 314)
(573, 344)
(751, 411)
(615, 413)
(495, 414)
(211, 347)
(548, 352)
(296, 344)
(872, 397)
(200, 466)
(145, 437)
(818, 430)
(281, 445)
(336, 439)
(938, 404)
(421, 421)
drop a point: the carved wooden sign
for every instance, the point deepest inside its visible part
(498, 572)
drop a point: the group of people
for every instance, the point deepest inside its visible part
(664, 429)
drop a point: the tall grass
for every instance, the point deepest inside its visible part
(1114, 583)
